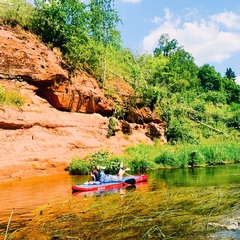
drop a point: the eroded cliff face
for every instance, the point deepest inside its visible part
(54, 125)
(24, 58)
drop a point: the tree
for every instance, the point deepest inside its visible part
(182, 71)
(165, 46)
(58, 22)
(102, 23)
(209, 78)
(179, 72)
(103, 20)
(232, 90)
(154, 69)
(230, 74)
(179, 132)
(234, 120)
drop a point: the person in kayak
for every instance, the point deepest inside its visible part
(100, 176)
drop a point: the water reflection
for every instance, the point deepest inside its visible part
(143, 186)
(200, 176)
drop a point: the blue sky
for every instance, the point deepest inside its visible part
(208, 29)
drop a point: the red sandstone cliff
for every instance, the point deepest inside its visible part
(67, 120)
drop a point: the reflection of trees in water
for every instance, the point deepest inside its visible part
(199, 176)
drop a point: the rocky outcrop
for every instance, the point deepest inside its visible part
(155, 126)
(156, 131)
(126, 127)
(142, 115)
(82, 95)
(152, 130)
(24, 58)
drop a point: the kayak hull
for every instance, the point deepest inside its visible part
(111, 185)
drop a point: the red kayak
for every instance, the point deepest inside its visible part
(97, 186)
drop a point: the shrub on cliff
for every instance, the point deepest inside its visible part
(11, 97)
(16, 12)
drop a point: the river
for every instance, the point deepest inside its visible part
(20, 198)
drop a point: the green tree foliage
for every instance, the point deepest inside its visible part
(215, 97)
(209, 78)
(83, 56)
(183, 71)
(232, 90)
(165, 46)
(154, 69)
(230, 74)
(103, 19)
(78, 29)
(234, 121)
(171, 67)
(122, 64)
(16, 12)
(180, 132)
(60, 22)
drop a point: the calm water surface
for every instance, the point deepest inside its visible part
(23, 196)
(202, 176)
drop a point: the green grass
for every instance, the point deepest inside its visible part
(145, 157)
(210, 152)
(11, 97)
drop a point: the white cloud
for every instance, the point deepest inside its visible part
(131, 1)
(191, 14)
(238, 80)
(227, 19)
(204, 39)
(156, 20)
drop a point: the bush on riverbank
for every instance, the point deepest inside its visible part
(187, 155)
(78, 167)
(84, 166)
(144, 157)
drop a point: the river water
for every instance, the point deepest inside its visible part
(20, 198)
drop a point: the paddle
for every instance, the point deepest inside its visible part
(130, 181)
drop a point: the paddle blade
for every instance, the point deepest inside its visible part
(130, 181)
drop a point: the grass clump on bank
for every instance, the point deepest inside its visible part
(186, 154)
(80, 166)
(11, 97)
(145, 157)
